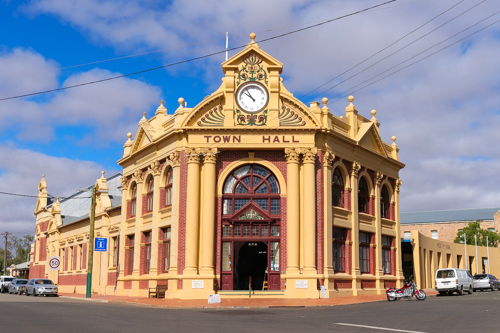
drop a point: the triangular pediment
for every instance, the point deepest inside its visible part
(368, 137)
(142, 139)
(249, 50)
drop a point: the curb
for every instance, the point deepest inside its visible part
(86, 299)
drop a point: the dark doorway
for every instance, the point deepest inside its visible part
(251, 262)
(407, 258)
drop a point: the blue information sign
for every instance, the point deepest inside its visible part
(101, 244)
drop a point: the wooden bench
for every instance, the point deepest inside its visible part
(158, 292)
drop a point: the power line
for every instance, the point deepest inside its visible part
(197, 58)
(189, 45)
(413, 63)
(36, 196)
(385, 48)
(402, 48)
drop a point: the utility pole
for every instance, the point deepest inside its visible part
(6, 235)
(90, 260)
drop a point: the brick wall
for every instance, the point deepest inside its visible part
(73, 280)
(84, 260)
(181, 254)
(37, 271)
(43, 250)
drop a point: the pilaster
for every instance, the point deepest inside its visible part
(192, 211)
(356, 282)
(208, 212)
(292, 225)
(379, 272)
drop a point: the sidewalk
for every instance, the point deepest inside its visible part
(246, 303)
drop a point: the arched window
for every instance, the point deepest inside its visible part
(133, 201)
(384, 202)
(251, 182)
(149, 194)
(168, 187)
(363, 196)
(338, 188)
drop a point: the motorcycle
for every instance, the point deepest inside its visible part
(407, 292)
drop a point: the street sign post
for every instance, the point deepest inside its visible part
(101, 244)
(54, 263)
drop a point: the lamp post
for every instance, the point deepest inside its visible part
(90, 261)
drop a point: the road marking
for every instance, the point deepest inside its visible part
(378, 328)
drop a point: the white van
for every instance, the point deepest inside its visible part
(449, 280)
(5, 280)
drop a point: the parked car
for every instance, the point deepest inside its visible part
(37, 287)
(17, 286)
(4, 282)
(450, 280)
(486, 281)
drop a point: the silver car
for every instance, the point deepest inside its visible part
(37, 287)
(17, 286)
(486, 281)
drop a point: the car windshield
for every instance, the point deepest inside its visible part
(8, 279)
(43, 282)
(481, 277)
(22, 282)
(447, 273)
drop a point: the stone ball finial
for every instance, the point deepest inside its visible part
(144, 114)
(350, 98)
(181, 101)
(129, 135)
(43, 176)
(325, 101)
(252, 37)
(102, 172)
(162, 101)
(393, 138)
(373, 112)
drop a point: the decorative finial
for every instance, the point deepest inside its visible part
(57, 199)
(181, 102)
(252, 37)
(129, 135)
(393, 138)
(162, 101)
(373, 112)
(325, 101)
(351, 99)
(43, 176)
(102, 172)
(144, 114)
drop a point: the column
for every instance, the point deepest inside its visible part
(355, 228)
(399, 269)
(292, 210)
(174, 231)
(379, 272)
(309, 236)
(192, 210)
(121, 236)
(328, 158)
(208, 211)
(155, 169)
(137, 238)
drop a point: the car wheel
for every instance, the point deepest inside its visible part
(492, 288)
(461, 291)
(19, 292)
(34, 293)
(26, 292)
(470, 290)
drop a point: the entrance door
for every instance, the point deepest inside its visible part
(251, 262)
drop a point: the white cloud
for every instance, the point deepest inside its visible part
(110, 109)
(21, 171)
(444, 110)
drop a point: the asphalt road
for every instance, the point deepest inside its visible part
(478, 312)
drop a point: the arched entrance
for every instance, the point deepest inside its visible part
(250, 229)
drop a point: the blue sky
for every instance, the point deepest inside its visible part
(444, 110)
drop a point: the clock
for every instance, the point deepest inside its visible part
(252, 97)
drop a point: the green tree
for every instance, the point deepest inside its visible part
(474, 229)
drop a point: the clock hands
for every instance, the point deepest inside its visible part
(248, 94)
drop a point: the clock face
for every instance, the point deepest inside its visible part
(252, 97)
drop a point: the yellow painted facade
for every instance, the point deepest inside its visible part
(199, 149)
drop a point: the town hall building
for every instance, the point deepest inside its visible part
(249, 188)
